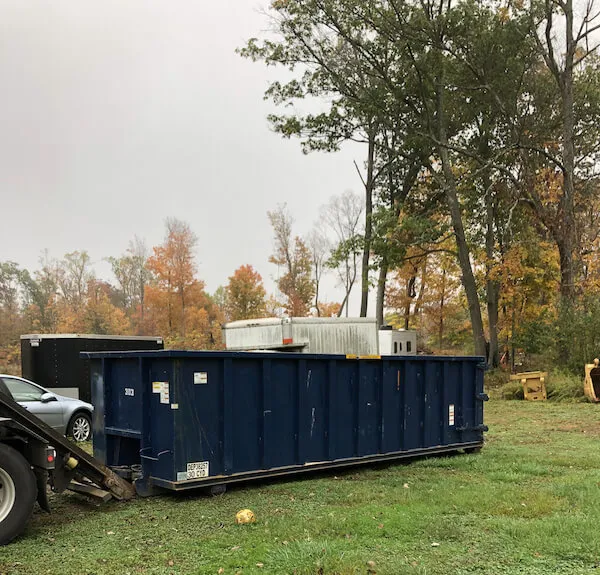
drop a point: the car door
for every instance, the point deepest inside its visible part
(29, 396)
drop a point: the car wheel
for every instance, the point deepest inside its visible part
(17, 493)
(80, 427)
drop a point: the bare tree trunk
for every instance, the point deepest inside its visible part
(407, 304)
(567, 246)
(421, 288)
(369, 184)
(383, 271)
(464, 255)
(442, 301)
(182, 295)
(492, 286)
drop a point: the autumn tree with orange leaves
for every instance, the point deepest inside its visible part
(296, 283)
(177, 305)
(245, 294)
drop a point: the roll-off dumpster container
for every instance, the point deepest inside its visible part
(206, 418)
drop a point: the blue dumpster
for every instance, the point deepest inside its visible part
(195, 418)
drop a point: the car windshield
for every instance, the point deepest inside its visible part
(22, 390)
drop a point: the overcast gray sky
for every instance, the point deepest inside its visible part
(117, 114)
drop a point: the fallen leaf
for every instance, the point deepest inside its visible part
(405, 486)
(221, 571)
(235, 548)
(435, 544)
(260, 565)
(380, 526)
(171, 563)
(370, 563)
(110, 532)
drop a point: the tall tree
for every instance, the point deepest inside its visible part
(246, 294)
(173, 265)
(74, 273)
(342, 216)
(132, 275)
(296, 283)
(563, 38)
(319, 247)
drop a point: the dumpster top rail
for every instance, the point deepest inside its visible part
(176, 353)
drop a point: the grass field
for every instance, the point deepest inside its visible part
(529, 503)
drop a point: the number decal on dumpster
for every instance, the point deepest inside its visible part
(129, 392)
(197, 470)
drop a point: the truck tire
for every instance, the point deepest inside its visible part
(18, 492)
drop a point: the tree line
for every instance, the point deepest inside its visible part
(478, 218)
(479, 126)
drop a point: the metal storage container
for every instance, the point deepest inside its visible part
(52, 360)
(358, 336)
(206, 418)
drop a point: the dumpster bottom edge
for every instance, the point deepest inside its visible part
(311, 467)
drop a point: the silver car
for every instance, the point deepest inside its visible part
(66, 415)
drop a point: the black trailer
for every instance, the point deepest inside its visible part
(53, 361)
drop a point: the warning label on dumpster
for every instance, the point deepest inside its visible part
(162, 388)
(451, 414)
(200, 378)
(197, 470)
(157, 386)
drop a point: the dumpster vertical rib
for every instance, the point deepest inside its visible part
(146, 404)
(461, 396)
(423, 402)
(99, 414)
(330, 409)
(479, 389)
(299, 411)
(228, 391)
(379, 399)
(264, 410)
(401, 404)
(357, 409)
(445, 405)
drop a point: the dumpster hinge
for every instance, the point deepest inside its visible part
(482, 397)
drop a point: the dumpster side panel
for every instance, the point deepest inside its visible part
(280, 414)
(117, 391)
(344, 391)
(160, 440)
(203, 417)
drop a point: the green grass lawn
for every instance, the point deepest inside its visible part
(528, 503)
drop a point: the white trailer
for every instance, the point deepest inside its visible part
(346, 336)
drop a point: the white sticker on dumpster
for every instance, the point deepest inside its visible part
(451, 414)
(200, 378)
(157, 386)
(164, 393)
(197, 470)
